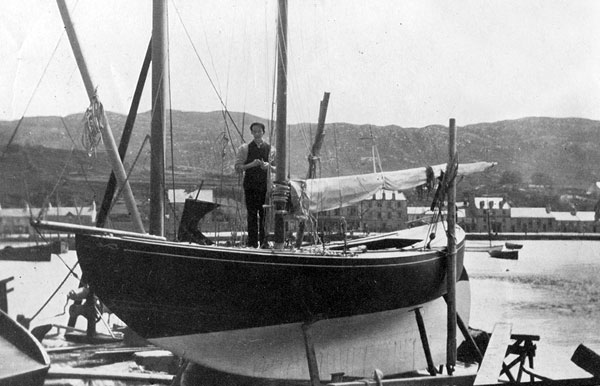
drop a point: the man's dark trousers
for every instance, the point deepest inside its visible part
(255, 200)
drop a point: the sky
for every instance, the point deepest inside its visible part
(403, 62)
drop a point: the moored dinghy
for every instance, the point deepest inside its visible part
(23, 360)
(510, 245)
(508, 254)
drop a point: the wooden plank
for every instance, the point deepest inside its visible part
(439, 380)
(491, 366)
(69, 373)
(563, 382)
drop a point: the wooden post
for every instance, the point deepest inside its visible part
(107, 136)
(281, 120)
(313, 367)
(451, 266)
(90, 314)
(160, 85)
(465, 332)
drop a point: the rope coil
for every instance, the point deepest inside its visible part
(93, 124)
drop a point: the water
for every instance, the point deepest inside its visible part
(35, 282)
(553, 290)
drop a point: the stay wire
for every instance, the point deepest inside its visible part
(62, 119)
(129, 172)
(55, 291)
(39, 82)
(205, 70)
(60, 177)
(171, 143)
(46, 240)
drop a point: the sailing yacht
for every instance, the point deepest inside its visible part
(245, 311)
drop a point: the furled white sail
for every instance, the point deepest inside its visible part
(322, 194)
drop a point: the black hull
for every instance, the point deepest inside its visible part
(161, 288)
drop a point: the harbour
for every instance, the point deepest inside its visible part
(552, 290)
(288, 305)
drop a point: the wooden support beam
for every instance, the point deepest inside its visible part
(451, 259)
(493, 361)
(313, 367)
(587, 359)
(4, 291)
(464, 329)
(425, 342)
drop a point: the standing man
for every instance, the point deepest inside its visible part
(254, 159)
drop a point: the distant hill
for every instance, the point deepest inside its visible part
(563, 150)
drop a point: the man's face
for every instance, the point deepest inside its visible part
(257, 132)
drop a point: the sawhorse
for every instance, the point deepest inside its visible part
(4, 291)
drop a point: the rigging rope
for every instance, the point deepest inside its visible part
(12, 137)
(205, 70)
(93, 125)
(172, 143)
(58, 181)
(55, 292)
(121, 187)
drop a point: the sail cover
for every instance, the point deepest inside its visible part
(321, 194)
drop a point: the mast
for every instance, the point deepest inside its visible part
(160, 84)
(313, 157)
(281, 123)
(319, 136)
(107, 136)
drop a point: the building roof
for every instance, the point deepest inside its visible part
(530, 213)
(558, 216)
(75, 211)
(575, 216)
(417, 209)
(50, 211)
(18, 212)
(565, 216)
(587, 216)
(389, 195)
(494, 200)
(426, 211)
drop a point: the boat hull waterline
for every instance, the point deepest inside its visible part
(356, 345)
(169, 291)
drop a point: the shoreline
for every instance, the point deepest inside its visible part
(533, 236)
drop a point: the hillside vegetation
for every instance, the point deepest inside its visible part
(46, 160)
